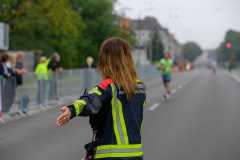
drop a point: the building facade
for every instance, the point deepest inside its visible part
(145, 30)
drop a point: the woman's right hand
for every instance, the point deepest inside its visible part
(65, 117)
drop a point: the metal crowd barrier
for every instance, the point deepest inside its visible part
(44, 89)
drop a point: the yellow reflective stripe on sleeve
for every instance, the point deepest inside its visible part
(79, 105)
(98, 92)
(95, 90)
(115, 116)
(124, 129)
(144, 103)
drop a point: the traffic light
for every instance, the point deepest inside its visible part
(228, 45)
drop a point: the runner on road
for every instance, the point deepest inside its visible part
(165, 65)
(214, 66)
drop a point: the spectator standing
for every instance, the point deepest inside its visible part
(6, 75)
(11, 82)
(54, 68)
(11, 64)
(19, 67)
(88, 72)
(89, 63)
(41, 72)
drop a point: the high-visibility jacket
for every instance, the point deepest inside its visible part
(41, 71)
(47, 62)
(118, 121)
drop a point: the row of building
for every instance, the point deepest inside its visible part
(144, 30)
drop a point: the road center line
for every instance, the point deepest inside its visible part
(173, 91)
(154, 106)
(184, 83)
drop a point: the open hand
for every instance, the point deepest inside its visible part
(64, 118)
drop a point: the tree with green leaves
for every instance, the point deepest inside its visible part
(224, 53)
(155, 47)
(191, 50)
(98, 17)
(50, 26)
(73, 28)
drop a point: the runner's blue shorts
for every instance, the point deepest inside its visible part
(166, 78)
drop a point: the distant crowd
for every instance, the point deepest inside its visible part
(11, 77)
(12, 71)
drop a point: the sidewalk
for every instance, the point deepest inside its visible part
(35, 110)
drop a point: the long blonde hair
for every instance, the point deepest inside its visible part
(12, 59)
(116, 62)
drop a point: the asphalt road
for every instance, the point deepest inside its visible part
(200, 121)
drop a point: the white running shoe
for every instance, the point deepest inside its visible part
(164, 97)
(167, 96)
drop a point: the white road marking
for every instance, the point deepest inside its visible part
(184, 83)
(154, 106)
(233, 76)
(83, 158)
(179, 86)
(173, 91)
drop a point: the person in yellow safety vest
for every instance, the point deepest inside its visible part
(41, 72)
(115, 106)
(47, 62)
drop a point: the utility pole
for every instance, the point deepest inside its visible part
(150, 51)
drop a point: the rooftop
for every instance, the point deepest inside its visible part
(149, 23)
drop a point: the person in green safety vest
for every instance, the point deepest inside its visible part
(41, 72)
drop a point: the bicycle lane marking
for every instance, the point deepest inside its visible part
(233, 76)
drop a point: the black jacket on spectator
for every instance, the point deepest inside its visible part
(19, 65)
(2, 71)
(86, 66)
(52, 66)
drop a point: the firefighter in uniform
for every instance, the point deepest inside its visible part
(115, 106)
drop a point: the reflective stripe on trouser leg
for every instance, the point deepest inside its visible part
(118, 119)
(105, 151)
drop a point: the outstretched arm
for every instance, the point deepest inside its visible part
(89, 104)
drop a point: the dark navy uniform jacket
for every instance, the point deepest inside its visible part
(118, 121)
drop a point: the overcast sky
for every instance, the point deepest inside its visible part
(201, 21)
